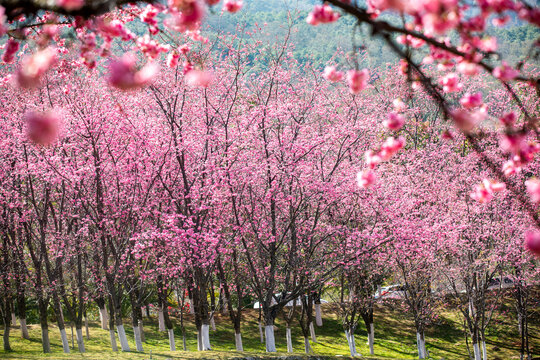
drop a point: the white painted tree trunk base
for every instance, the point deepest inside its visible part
(307, 347)
(318, 315)
(80, 340)
(213, 323)
(45, 341)
(24, 329)
(138, 340)
(476, 350)
(122, 337)
(312, 332)
(420, 347)
(353, 341)
(238, 342)
(112, 337)
(172, 344)
(270, 340)
(350, 343)
(484, 351)
(161, 320)
(205, 329)
(13, 319)
(65, 342)
(371, 339)
(199, 340)
(288, 335)
(104, 318)
(261, 332)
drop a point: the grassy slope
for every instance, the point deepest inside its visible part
(395, 338)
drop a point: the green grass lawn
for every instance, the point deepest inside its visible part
(394, 339)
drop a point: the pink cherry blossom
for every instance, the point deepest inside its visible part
(149, 15)
(42, 128)
(484, 192)
(357, 80)
(332, 74)
(471, 100)
(533, 188)
(510, 168)
(150, 47)
(70, 5)
(172, 59)
(11, 49)
(451, 83)
(124, 75)
(34, 66)
(322, 14)
(232, 6)
(366, 178)
(505, 72)
(394, 121)
(468, 68)
(190, 15)
(532, 241)
(391, 146)
(199, 78)
(399, 105)
(372, 159)
(508, 119)
(481, 194)
(468, 120)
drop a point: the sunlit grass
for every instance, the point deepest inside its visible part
(394, 339)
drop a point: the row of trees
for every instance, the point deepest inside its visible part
(194, 192)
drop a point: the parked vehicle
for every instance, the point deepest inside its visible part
(391, 292)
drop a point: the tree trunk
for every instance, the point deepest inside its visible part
(205, 332)
(318, 315)
(484, 350)
(288, 335)
(45, 342)
(141, 330)
(6, 320)
(312, 332)
(104, 318)
(161, 320)
(13, 319)
(112, 334)
(122, 335)
(24, 329)
(112, 337)
(65, 341)
(238, 342)
(21, 311)
(420, 346)
(87, 330)
(172, 344)
(307, 347)
(261, 333)
(61, 324)
(476, 349)
(80, 339)
(350, 342)
(371, 339)
(138, 340)
(270, 339)
(199, 339)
